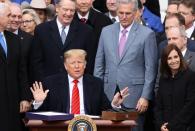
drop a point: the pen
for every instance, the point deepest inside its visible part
(118, 90)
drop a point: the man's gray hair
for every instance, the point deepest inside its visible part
(3, 6)
(129, 1)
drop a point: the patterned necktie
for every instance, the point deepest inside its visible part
(83, 20)
(3, 44)
(122, 42)
(75, 99)
(113, 20)
(63, 35)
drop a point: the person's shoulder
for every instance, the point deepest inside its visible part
(55, 77)
(108, 28)
(10, 35)
(92, 79)
(100, 15)
(46, 24)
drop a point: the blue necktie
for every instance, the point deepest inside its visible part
(3, 44)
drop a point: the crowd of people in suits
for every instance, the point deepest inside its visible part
(66, 55)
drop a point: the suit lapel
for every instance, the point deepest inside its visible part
(192, 37)
(65, 96)
(130, 39)
(86, 95)
(188, 57)
(55, 34)
(115, 38)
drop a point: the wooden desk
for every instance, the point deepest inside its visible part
(102, 125)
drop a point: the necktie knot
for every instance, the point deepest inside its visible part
(113, 19)
(124, 31)
(83, 20)
(75, 81)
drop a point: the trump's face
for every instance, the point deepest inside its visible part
(126, 14)
(75, 66)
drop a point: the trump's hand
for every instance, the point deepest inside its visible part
(38, 93)
(142, 105)
(25, 106)
(119, 97)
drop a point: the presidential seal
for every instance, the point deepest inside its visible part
(82, 123)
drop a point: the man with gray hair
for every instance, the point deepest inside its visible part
(127, 57)
(13, 76)
(177, 36)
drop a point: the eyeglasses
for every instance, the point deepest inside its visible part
(27, 21)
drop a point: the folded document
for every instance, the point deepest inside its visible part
(48, 116)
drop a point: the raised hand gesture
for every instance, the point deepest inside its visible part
(38, 93)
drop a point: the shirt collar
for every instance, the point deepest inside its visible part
(184, 52)
(60, 26)
(128, 28)
(86, 16)
(71, 79)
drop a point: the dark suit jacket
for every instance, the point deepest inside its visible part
(26, 40)
(47, 48)
(97, 21)
(190, 59)
(95, 99)
(100, 5)
(175, 102)
(13, 83)
(192, 37)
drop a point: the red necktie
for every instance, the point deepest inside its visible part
(83, 20)
(75, 99)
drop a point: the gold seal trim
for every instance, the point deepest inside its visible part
(82, 123)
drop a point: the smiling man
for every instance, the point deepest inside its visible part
(53, 38)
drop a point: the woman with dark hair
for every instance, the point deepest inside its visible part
(175, 102)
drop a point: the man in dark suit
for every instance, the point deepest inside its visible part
(13, 76)
(90, 97)
(187, 9)
(112, 8)
(52, 39)
(96, 20)
(14, 27)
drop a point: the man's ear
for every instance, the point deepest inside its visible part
(65, 66)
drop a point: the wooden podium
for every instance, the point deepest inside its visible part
(102, 125)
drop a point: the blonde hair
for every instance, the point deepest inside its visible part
(32, 13)
(75, 52)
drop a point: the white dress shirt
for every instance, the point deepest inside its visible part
(60, 27)
(122, 28)
(36, 105)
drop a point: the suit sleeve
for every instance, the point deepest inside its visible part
(151, 62)
(25, 93)
(100, 59)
